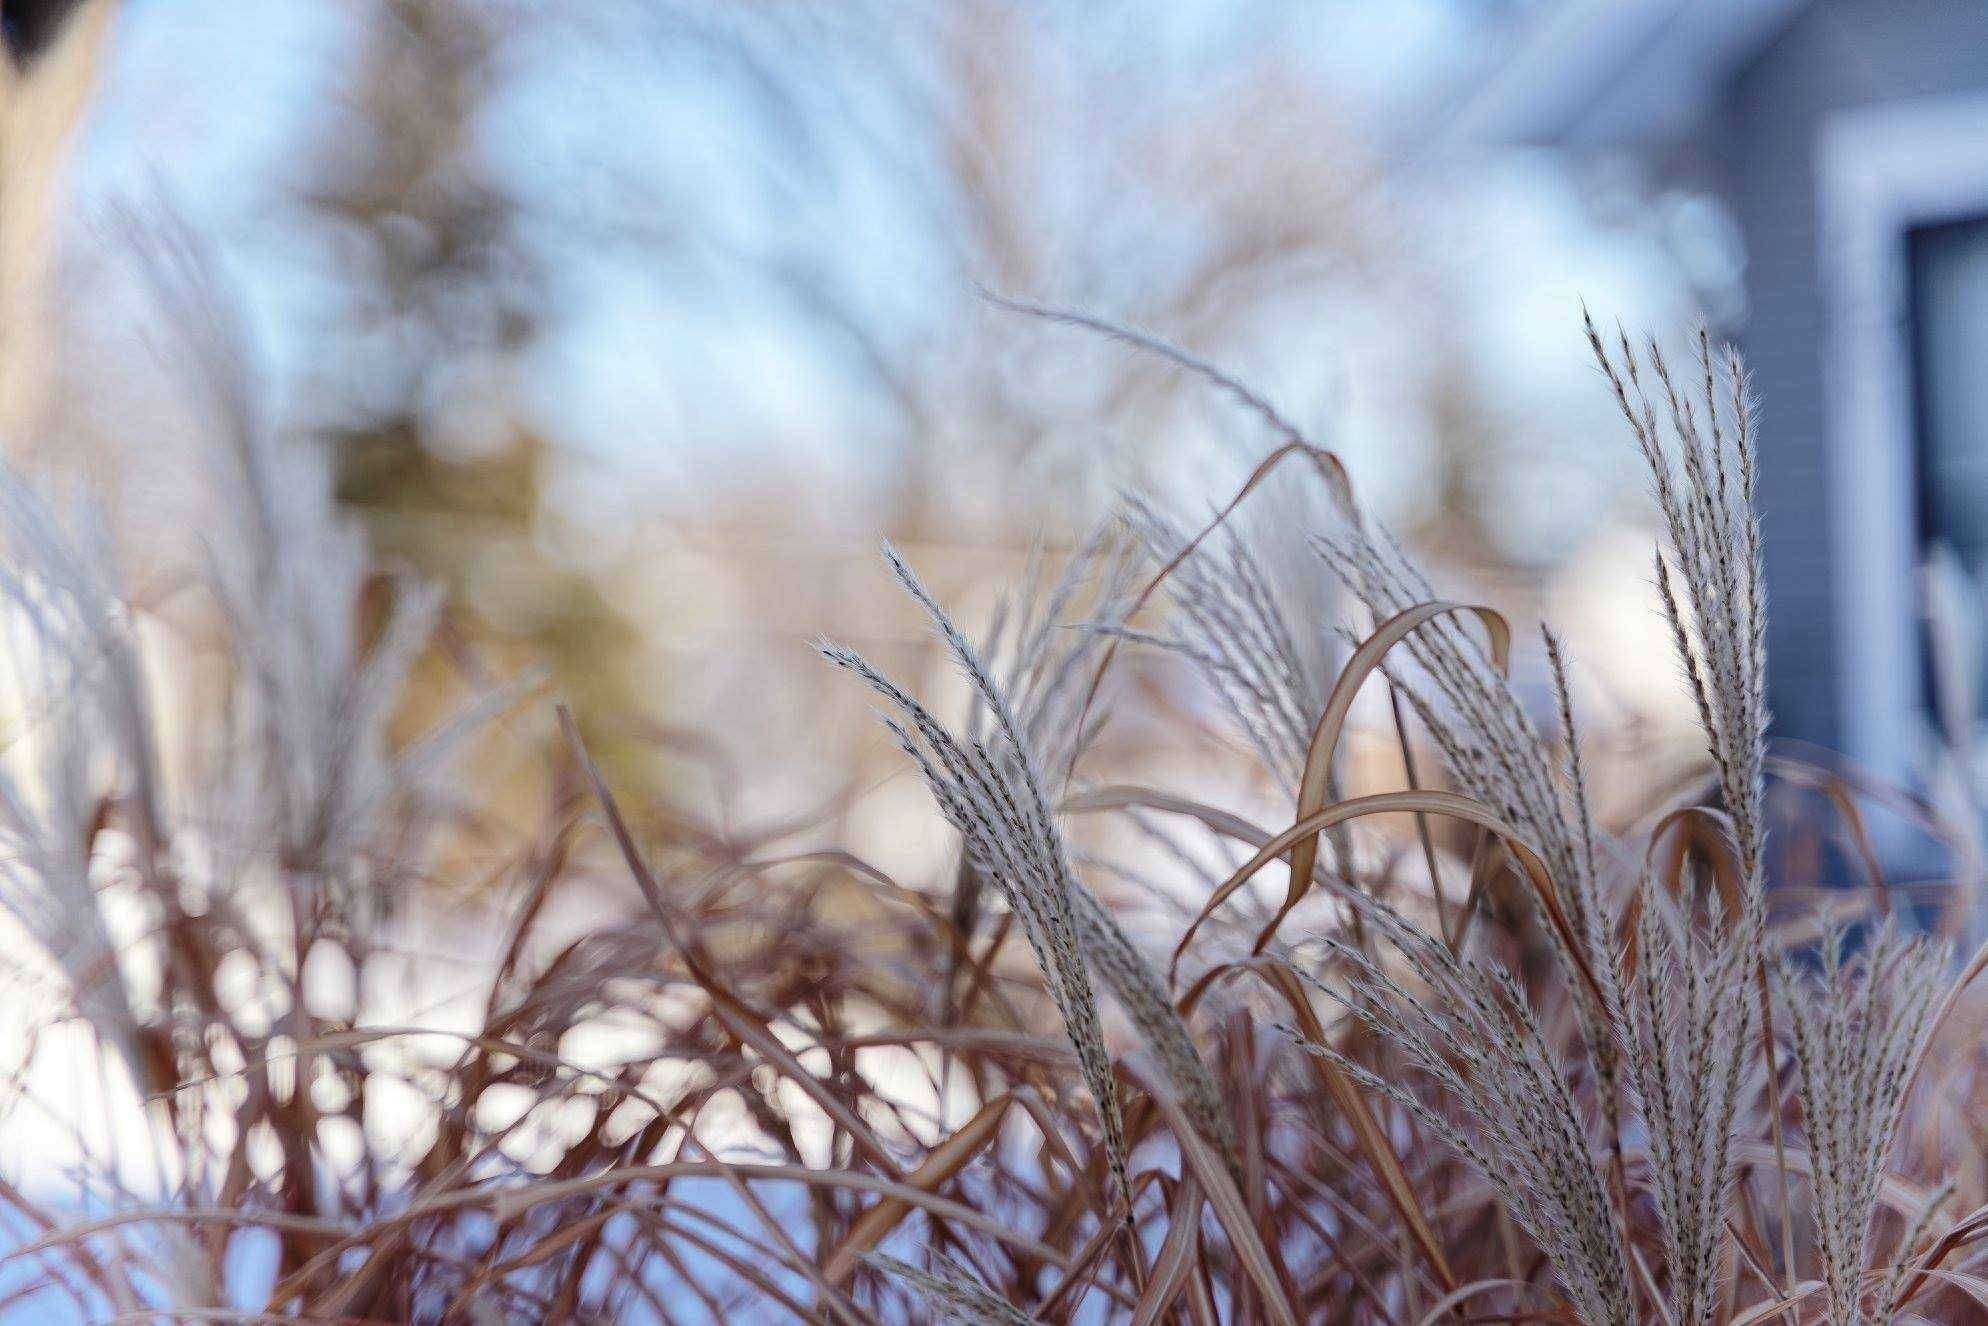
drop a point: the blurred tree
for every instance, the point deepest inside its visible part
(1183, 171)
(48, 78)
(30, 25)
(444, 298)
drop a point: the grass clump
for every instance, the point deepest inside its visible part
(1574, 1071)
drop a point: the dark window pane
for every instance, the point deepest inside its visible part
(1950, 370)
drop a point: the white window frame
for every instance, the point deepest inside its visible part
(1882, 171)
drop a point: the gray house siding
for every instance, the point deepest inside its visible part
(1763, 137)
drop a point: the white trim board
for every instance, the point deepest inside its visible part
(1881, 171)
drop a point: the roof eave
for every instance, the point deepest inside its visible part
(1593, 73)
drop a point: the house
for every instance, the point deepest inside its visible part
(1848, 142)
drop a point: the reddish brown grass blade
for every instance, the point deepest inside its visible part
(1372, 1140)
(1435, 803)
(1456, 1298)
(1710, 830)
(1352, 1105)
(940, 1165)
(738, 1016)
(1773, 1307)
(1174, 1265)
(1325, 737)
(1964, 1231)
(751, 1029)
(1118, 798)
(1212, 1172)
(1330, 469)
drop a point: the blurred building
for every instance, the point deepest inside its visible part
(1846, 141)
